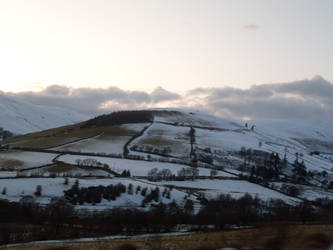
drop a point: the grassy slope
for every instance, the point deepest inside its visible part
(109, 124)
(67, 134)
(269, 237)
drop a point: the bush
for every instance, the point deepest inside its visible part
(38, 190)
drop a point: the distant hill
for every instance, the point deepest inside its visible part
(20, 117)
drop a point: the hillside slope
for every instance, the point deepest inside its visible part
(19, 117)
(190, 151)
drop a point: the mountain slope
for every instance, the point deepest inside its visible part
(189, 150)
(19, 117)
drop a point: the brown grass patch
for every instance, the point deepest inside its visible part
(58, 136)
(60, 168)
(315, 241)
(260, 238)
(10, 164)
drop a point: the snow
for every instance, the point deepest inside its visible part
(159, 136)
(21, 117)
(194, 118)
(272, 140)
(295, 129)
(28, 159)
(236, 188)
(231, 140)
(54, 187)
(309, 193)
(223, 137)
(6, 174)
(137, 167)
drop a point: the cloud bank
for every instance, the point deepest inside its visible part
(309, 99)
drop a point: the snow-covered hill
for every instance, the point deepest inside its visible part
(20, 117)
(268, 159)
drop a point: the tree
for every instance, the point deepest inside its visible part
(168, 194)
(38, 190)
(166, 174)
(138, 189)
(78, 162)
(144, 191)
(153, 174)
(124, 173)
(194, 173)
(76, 183)
(130, 189)
(188, 206)
(213, 173)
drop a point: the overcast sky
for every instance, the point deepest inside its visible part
(231, 57)
(176, 44)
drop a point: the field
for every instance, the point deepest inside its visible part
(110, 139)
(161, 136)
(236, 188)
(63, 135)
(137, 168)
(295, 237)
(55, 187)
(15, 160)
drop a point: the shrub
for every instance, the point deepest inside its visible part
(38, 190)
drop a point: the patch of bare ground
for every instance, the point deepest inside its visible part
(273, 237)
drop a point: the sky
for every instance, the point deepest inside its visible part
(165, 48)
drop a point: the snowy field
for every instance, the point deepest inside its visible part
(309, 193)
(54, 187)
(137, 168)
(234, 141)
(195, 118)
(235, 188)
(22, 160)
(159, 136)
(70, 171)
(226, 140)
(6, 174)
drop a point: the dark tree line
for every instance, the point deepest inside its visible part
(93, 195)
(120, 117)
(59, 220)
(264, 166)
